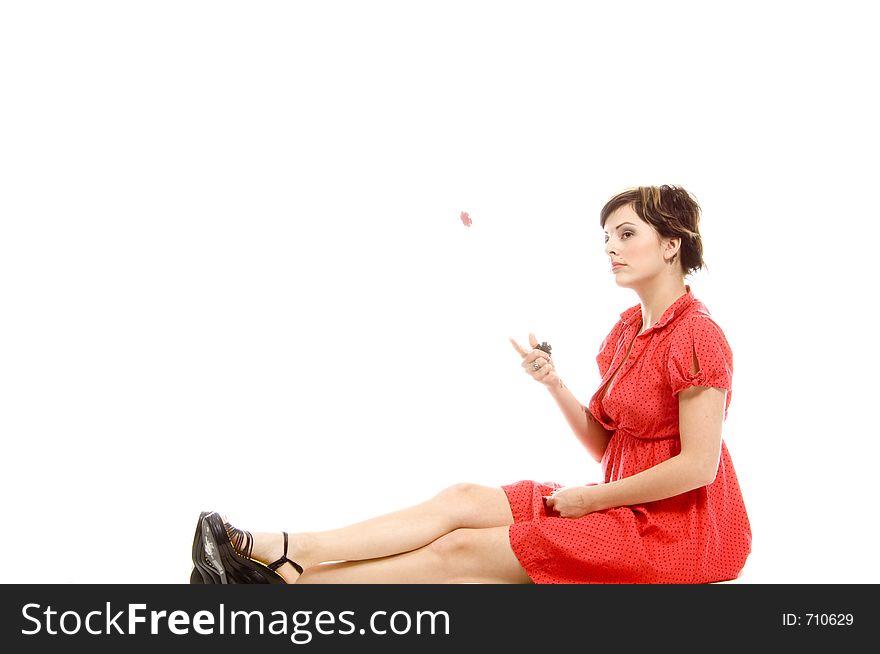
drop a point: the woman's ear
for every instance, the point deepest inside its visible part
(673, 245)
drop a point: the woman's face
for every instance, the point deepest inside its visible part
(631, 241)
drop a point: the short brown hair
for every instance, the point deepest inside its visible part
(670, 210)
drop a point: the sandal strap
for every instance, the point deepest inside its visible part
(241, 540)
(277, 564)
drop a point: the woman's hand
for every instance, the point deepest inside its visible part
(537, 363)
(569, 501)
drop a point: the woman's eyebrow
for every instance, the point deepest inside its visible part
(621, 225)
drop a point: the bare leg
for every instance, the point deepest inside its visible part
(460, 506)
(461, 556)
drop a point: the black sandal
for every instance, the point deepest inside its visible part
(224, 555)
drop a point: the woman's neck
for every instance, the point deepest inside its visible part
(657, 299)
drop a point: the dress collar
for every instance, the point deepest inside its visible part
(633, 315)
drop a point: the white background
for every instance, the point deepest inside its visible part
(233, 274)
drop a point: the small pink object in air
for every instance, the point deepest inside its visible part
(466, 219)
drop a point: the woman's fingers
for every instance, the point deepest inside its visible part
(539, 359)
(519, 348)
(536, 362)
(532, 354)
(540, 370)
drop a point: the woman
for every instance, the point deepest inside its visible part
(669, 509)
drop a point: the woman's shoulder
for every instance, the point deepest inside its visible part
(694, 312)
(697, 323)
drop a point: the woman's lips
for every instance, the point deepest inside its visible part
(615, 266)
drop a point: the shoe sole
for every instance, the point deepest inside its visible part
(203, 572)
(195, 576)
(211, 552)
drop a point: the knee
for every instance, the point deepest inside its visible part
(459, 494)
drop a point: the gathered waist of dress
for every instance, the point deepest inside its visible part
(623, 431)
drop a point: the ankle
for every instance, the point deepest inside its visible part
(269, 547)
(303, 548)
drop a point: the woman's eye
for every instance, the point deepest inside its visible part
(624, 234)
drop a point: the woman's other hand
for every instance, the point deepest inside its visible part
(537, 363)
(569, 501)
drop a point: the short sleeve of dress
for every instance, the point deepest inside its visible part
(608, 348)
(702, 337)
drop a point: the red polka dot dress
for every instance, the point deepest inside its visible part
(700, 536)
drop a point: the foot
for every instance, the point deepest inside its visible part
(266, 547)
